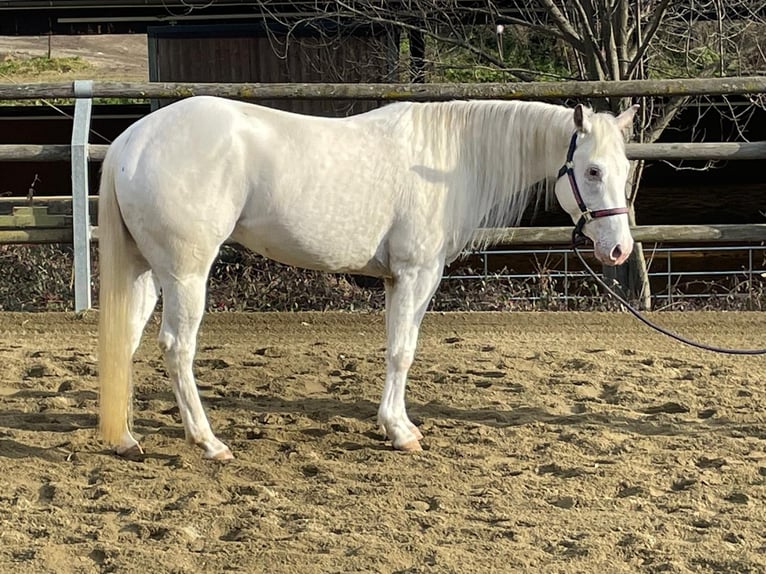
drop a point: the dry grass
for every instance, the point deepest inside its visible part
(39, 67)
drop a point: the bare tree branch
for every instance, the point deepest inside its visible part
(458, 40)
(568, 31)
(643, 44)
(622, 34)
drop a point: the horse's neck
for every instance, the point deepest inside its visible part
(523, 142)
(491, 155)
(509, 148)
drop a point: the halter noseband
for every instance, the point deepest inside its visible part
(587, 215)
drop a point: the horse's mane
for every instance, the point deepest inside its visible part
(498, 156)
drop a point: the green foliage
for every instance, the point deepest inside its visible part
(705, 52)
(535, 52)
(12, 66)
(539, 55)
(467, 73)
(695, 62)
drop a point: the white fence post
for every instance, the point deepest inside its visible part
(83, 90)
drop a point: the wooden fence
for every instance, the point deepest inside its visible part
(80, 152)
(753, 85)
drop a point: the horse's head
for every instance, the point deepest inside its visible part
(591, 186)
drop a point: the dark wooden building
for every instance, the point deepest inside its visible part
(319, 51)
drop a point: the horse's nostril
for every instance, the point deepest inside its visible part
(616, 253)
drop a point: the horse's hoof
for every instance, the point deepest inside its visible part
(132, 451)
(221, 455)
(409, 446)
(416, 431)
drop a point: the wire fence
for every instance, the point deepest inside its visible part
(680, 276)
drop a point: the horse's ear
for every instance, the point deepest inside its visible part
(581, 119)
(625, 119)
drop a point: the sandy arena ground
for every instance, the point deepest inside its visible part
(556, 443)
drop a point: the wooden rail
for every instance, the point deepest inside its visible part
(516, 236)
(393, 92)
(655, 151)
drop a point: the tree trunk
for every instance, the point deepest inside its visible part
(631, 279)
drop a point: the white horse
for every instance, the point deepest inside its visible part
(396, 193)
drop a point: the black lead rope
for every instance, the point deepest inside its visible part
(640, 317)
(578, 238)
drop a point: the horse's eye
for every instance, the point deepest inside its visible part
(593, 173)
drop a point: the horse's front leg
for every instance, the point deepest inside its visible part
(407, 296)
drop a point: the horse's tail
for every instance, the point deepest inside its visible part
(116, 256)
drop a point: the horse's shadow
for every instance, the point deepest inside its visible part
(13, 449)
(325, 410)
(46, 421)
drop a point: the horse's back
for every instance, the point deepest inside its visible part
(307, 191)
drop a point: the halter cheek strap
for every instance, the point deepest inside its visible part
(587, 214)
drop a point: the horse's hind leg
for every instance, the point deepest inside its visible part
(407, 298)
(183, 306)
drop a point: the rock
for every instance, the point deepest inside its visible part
(565, 502)
(705, 462)
(737, 498)
(37, 371)
(417, 505)
(670, 407)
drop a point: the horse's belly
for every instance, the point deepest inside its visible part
(326, 248)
